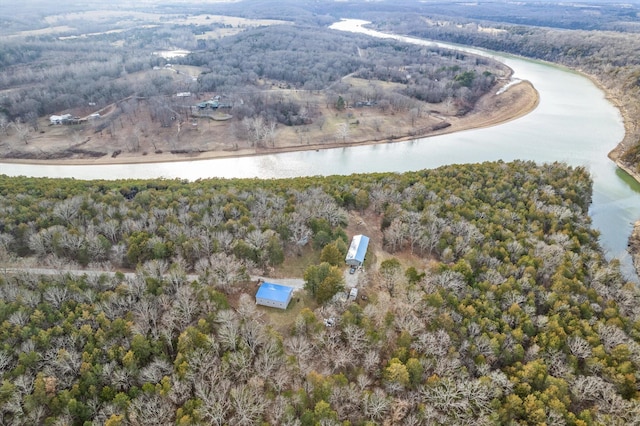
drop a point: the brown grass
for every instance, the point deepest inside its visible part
(295, 264)
(282, 320)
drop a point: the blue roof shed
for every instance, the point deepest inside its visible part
(274, 295)
(357, 250)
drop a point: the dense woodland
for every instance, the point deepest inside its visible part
(490, 302)
(307, 58)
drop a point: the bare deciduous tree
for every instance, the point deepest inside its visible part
(375, 404)
(68, 209)
(221, 270)
(248, 405)
(151, 409)
(4, 123)
(229, 330)
(22, 130)
(343, 131)
(300, 232)
(579, 347)
(215, 406)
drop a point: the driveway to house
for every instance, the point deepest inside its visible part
(351, 280)
(296, 283)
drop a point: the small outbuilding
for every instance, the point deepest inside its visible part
(60, 119)
(274, 295)
(357, 250)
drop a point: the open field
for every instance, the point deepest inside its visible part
(73, 25)
(135, 18)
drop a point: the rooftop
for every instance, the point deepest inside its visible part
(277, 292)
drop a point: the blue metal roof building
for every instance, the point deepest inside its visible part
(357, 250)
(274, 295)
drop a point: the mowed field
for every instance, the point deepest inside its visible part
(76, 24)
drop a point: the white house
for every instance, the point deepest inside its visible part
(60, 119)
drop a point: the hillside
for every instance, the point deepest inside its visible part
(231, 86)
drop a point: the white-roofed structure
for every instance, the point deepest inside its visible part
(357, 250)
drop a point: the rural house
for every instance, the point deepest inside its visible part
(60, 119)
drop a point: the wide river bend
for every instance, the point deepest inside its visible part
(574, 123)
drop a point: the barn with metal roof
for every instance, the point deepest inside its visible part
(357, 250)
(274, 295)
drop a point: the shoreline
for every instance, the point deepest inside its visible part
(617, 151)
(526, 100)
(633, 245)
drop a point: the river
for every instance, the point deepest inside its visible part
(574, 123)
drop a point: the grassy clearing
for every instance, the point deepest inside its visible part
(190, 70)
(221, 19)
(44, 31)
(361, 83)
(127, 19)
(283, 320)
(294, 266)
(219, 33)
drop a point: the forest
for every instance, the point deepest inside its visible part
(489, 301)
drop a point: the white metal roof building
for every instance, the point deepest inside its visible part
(274, 295)
(357, 250)
(60, 119)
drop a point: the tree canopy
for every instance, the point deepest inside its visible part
(494, 303)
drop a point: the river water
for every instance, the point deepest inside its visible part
(573, 123)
